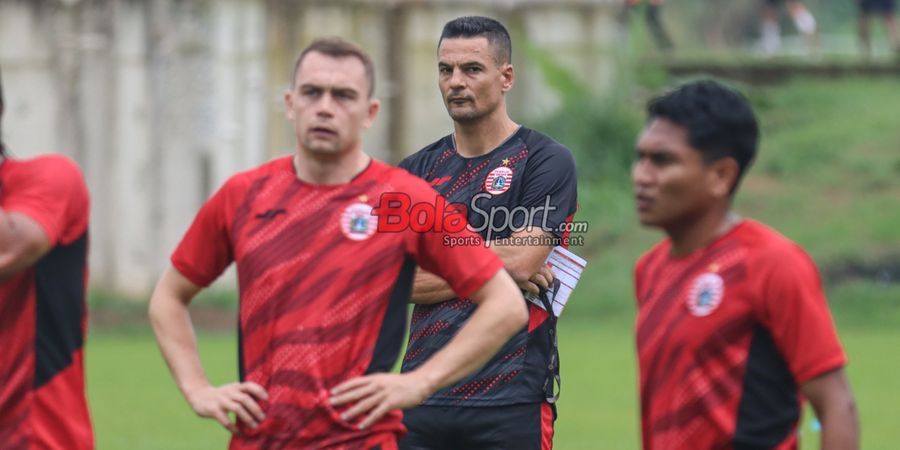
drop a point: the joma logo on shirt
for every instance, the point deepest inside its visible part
(271, 213)
(439, 181)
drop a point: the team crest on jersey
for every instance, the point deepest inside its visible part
(357, 222)
(499, 180)
(706, 294)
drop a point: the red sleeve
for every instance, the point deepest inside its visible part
(205, 251)
(51, 191)
(466, 266)
(795, 312)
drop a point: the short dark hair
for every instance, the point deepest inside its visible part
(338, 48)
(478, 26)
(719, 120)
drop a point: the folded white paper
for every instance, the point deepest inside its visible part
(567, 268)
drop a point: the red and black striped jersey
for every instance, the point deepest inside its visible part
(725, 337)
(529, 180)
(323, 292)
(43, 311)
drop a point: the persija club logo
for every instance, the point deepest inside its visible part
(499, 180)
(357, 222)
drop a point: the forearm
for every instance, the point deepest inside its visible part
(494, 322)
(175, 335)
(22, 243)
(522, 261)
(429, 288)
(835, 407)
(840, 427)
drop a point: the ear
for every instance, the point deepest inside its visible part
(289, 105)
(374, 107)
(723, 175)
(509, 76)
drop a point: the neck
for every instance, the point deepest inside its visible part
(701, 232)
(480, 137)
(331, 169)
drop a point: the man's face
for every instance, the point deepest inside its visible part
(671, 182)
(329, 104)
(471, 81)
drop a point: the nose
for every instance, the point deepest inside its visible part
(325, 106)
(456, 79)
(641, 173)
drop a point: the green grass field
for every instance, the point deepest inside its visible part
(136, 406)
(827, 178)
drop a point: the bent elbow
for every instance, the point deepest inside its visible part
(518, 315)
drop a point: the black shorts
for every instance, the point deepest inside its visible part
(877, 6)
(515, 427)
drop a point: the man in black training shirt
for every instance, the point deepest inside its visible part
(520, 191)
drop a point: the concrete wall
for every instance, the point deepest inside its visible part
(161, 100)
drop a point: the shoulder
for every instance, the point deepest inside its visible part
(54, 166)
(544, 149)
(654, 253)
(767, 245)
(428, 153)
(402, 180)
(538, 142)
(774, 257)
(51, 172)
(245, 178)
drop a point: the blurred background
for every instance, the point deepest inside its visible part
(160, 101)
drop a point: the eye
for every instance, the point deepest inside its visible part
(473, 69)
(344, 95)
(660, 159)
(444, 70)
(310, 92)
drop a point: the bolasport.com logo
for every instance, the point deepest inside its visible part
(498, 224)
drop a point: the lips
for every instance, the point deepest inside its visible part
(643, 202)
(322, 131)
(458, 100)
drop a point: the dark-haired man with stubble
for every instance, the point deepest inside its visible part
(491, 164)
(733, 330)
(323, 292)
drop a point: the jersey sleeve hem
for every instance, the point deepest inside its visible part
(827, 365)
(192, 275)
(472, 284)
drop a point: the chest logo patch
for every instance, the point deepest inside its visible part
(357, 222)
(706, 294)
(499, 180)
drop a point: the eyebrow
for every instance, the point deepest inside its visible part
(337, 89)
(463, 64)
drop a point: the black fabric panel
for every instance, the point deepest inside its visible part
(59, 278)
(393, 327)
(769, 407)
(242, 369)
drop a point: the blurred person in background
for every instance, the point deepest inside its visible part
(885, 9)
(44, 211)
(323, 290)
(733, 331)
(770, 30)
(652, 16)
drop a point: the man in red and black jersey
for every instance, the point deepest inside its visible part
(323, 291)
(44, 209)
(732, 331)
(519, 188)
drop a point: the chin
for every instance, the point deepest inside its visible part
(647, 221)
(465, 116)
